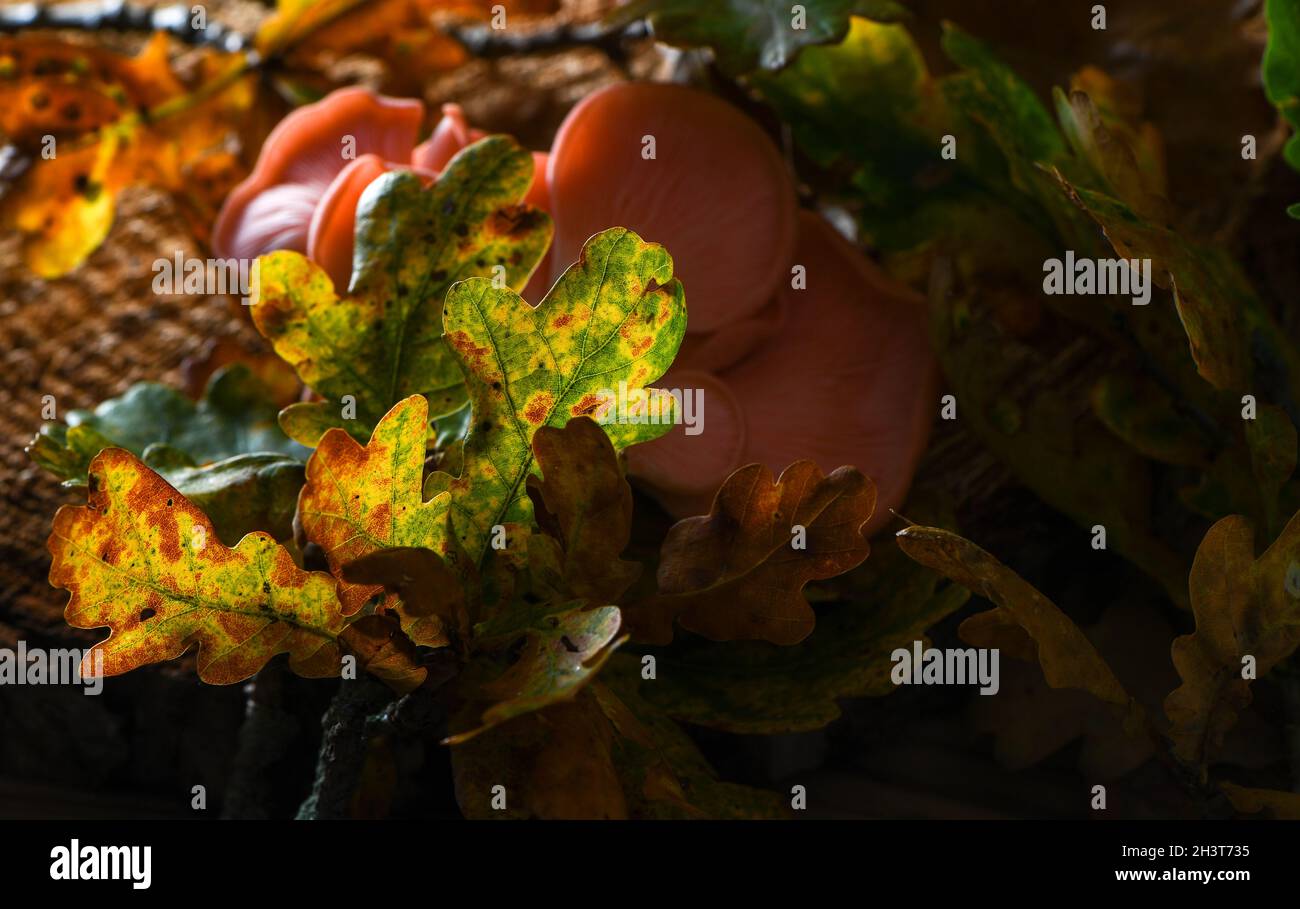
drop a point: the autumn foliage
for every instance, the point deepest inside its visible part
(429, 485)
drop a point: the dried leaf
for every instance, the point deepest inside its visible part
(1110, 147)
(115, 121)
(583, 504)
(385, 652)
(738, 573)
(432, 596)
(1068, 659)
(753, 687)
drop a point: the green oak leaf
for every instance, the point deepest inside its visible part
(225, 453)
(992, 95)
(1281, 73)
(553, 651)
(867, 111)
(242, 494)
(381, 340)
(1234, 341)
(235, 416)
(748, 34)
(615, 318)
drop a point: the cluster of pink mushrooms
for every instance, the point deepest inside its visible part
(800, 346)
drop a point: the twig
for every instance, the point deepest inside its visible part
(489, 43)
(119, 15)
(343, 748)
(264, 738)
(177, 19)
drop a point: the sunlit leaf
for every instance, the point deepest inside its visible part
(143, 561)
(360, 499)
(381, 340)
(613, 321)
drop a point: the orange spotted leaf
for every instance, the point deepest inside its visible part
(609, 326)
(380, 340)
(141, 560)
(360, 499)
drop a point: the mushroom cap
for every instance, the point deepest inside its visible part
(452, 133)
(273, 207)
(332, 232)
(848, 379)
(687, 469)
(716, 192)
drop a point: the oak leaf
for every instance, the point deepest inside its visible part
(1244, 607)
(224, 453)
(532, 656)
(613, 321)
(362, 499)
(751, 34)
(1068, 658)
(738, 573)
(664, 774)
(555, 764)
(754, 687)
(1279, 805)
(583, 504)
(235, 416)
(380, 340)
(115, 121)
(141, 560)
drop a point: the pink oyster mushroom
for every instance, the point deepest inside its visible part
(303, 194)
(839, 372)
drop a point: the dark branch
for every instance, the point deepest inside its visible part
(118, 15)
(488, 43)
